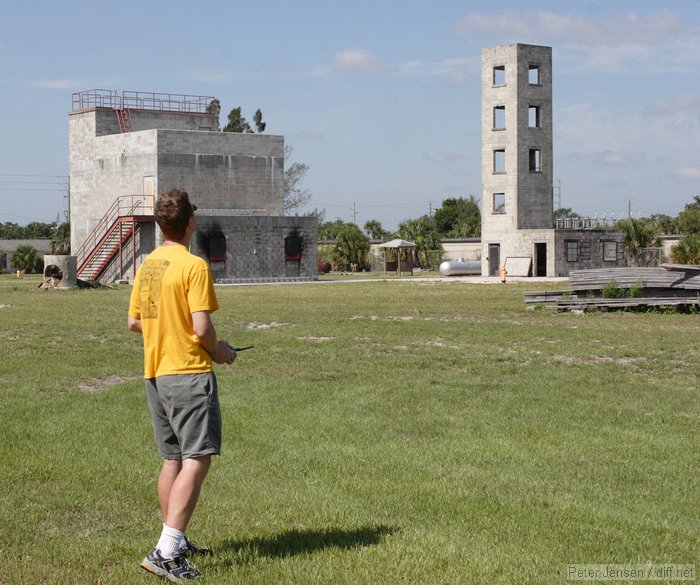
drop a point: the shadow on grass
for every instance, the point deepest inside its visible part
(298, 542)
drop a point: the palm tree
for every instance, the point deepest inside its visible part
(639, 235)
(61, 242)
(373, 228)
(424, 234)
(351, 247)
(25, 258)
(687, 251)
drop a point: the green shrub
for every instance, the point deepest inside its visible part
(636, 290)
(612, 291)
(26, 258)
(687, 250)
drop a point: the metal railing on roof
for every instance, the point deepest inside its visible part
(139, 100)
(584, 223)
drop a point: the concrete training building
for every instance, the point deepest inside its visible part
(517, 228)
(127, 148)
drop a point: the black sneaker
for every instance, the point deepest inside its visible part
(191, 549)
(176, 569)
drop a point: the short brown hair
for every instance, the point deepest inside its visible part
(173, 211)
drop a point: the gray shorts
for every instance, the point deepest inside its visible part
(186, 415)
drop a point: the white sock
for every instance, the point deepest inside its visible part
(169, 542)
(183, 542)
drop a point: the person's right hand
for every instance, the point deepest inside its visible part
(225, 354)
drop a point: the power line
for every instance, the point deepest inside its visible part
(33, 175)
(30, 182)
(29, 189)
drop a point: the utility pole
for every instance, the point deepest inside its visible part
(430, 209)
(629, 209)
(354, 213)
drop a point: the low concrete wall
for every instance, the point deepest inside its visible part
(8, 248)
(249, 247)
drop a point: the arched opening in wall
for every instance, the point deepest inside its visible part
(60, 271)
(53, 274)
(293, 249)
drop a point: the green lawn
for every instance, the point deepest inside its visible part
(380, 432)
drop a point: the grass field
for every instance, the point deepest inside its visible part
(381, 432)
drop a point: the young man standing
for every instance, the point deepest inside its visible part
(170, 306)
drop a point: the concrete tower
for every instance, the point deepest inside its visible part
(516, 142)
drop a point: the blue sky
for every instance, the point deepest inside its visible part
(381, 99)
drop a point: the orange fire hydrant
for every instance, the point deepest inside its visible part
(503, 272)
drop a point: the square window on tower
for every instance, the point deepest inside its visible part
(499, 203)
(499, 161)
(499, 118)
(533, 76)
(533, 117)
(499, 75)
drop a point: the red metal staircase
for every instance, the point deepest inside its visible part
(117, 230)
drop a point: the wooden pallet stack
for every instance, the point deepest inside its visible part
(668, 285)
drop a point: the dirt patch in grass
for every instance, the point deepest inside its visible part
(598, 359)
(102, 383)
(263, 326)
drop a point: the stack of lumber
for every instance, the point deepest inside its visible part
(665, 277)
(603, 304)
(668, 285)
(546, 297)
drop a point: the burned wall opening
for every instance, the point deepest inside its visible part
(293, 249)
(212, 243)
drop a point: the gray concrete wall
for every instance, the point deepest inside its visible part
(590, 244)
(8, 248)
(240, 174)
(102, 168)
(224, 170)
(466, 250)
(255, 246)
(106, 121)
(534, 188)
(519, 244)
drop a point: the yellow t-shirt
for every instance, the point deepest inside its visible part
(169, 286)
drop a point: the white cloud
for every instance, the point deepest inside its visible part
(457, 70)
(688, 174)
(658, 41)
(310, 136)
(444, 156)
(211, 76)
(682, 102)
(59, 83)
(617, 158)
(357, 61)
(612, 31)
(77, 83)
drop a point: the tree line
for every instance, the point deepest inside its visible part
(457, 217)
(26, 257)
(460, 217)
(32, 231)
